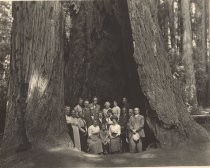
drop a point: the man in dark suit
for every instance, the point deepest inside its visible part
(101, 119)
(125, 104)
(95, 108)
(87, 113)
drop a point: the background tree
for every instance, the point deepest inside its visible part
(190, 82)
(5, 28)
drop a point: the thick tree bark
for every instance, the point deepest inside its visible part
(190, 82)
(171, 119)
(203, 58)
(207, 61)
(113, 49)
(34, 115)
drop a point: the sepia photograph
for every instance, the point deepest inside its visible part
(104, 83)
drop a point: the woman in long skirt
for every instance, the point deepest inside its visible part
(115, 131)
(94, 142)
(73, 121)
(82, 131)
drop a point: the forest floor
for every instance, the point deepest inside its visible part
(185, 155)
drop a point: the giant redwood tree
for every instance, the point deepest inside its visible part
(107, 48)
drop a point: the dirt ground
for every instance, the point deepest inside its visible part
(184, 155)
(190, 155)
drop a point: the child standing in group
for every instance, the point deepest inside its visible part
(104, 135)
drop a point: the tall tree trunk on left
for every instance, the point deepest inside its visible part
(34, 114)
(190, 89)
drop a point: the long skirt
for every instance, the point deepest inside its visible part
(76, 137)
(115, 145)
(83, 141)
(71, 134)
(94, 145)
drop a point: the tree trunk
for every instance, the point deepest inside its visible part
(190, 83)
(208, 61)
(34, 115)
(113, 49)
(180, 28)
(170, 121)
(172, 24)
(203, 59)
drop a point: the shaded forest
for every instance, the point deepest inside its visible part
(156, 53)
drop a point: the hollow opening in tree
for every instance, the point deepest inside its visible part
(99, 62)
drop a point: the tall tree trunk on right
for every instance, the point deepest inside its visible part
(203, 57)
(190, 89)
(207, 61)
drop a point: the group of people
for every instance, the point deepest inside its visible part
(108, 130)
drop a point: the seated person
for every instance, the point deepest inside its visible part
(104, 135)
(94, 142)
(114, 132)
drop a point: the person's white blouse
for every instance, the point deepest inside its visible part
(114, 129)
(109, 121)
(92, 130)
(116, 111)
(71, 120)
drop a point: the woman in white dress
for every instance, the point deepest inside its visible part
(73, 122)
